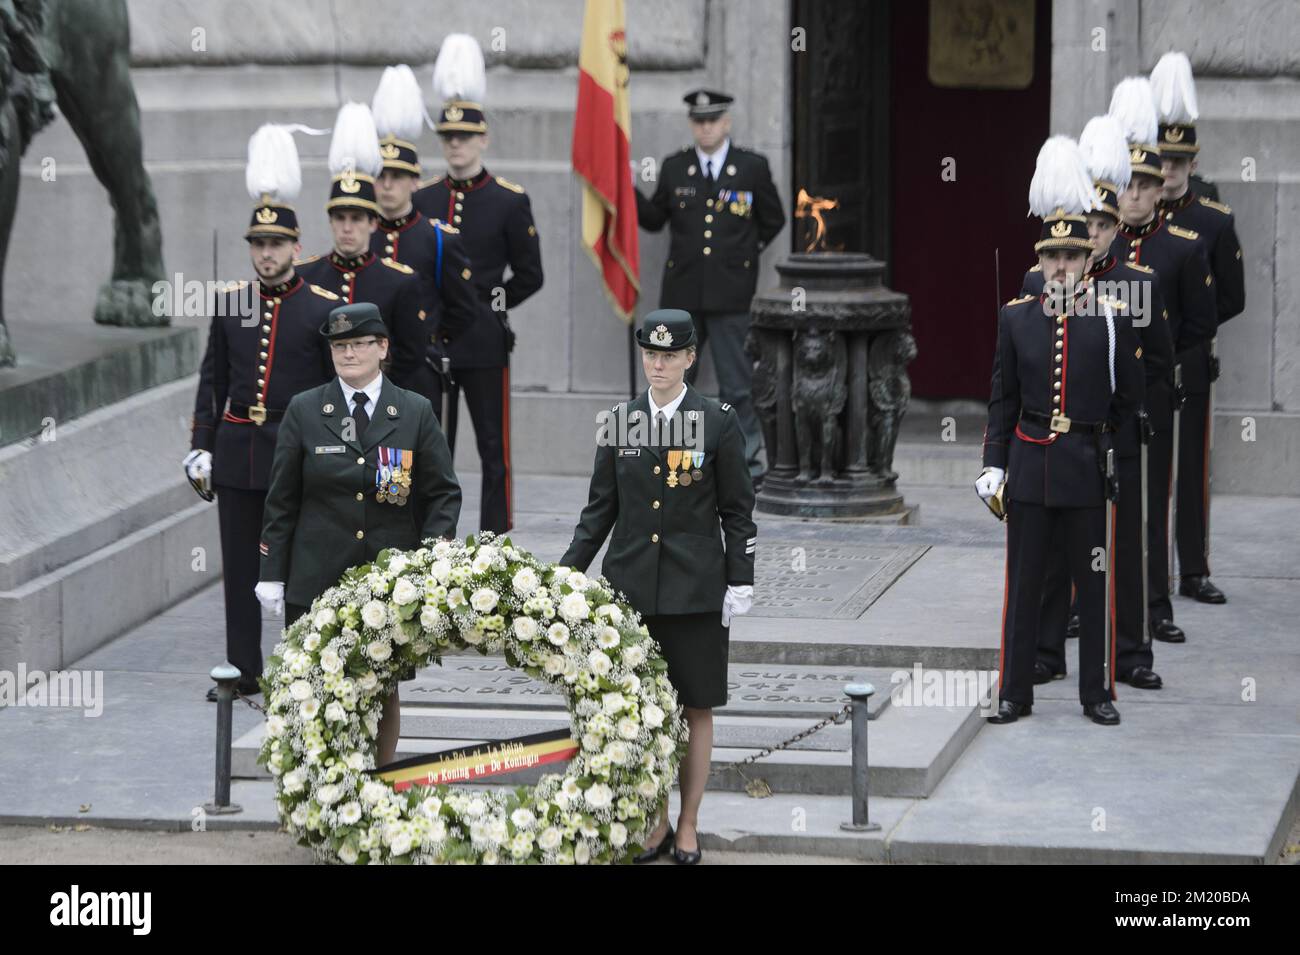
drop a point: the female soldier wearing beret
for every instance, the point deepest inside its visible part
(671, 503)
(351, 456)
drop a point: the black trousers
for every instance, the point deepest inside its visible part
(727, 332)
(1132, 641)
(239, 513)
(1160, 460)
(487, 394)
(1193, 487)
(1030, 530)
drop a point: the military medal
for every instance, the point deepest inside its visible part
(697, 459)
(674, 462)
(686, 478)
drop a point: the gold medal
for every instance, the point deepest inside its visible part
(672, 478)
(674, 462)
(381, 496)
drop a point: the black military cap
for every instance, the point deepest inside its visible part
(272, 219)
(707, 104)
(666, 329)
(1064, 231)
(1178, 139)
(354, 321)
(353, 190)
(399, 155)
(461, 116)
(1145, 160)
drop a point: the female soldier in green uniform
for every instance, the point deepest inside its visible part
(360, 465)
(673, 485)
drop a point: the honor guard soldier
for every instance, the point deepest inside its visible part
(672, 485)
(254, 364)
(1146, 238)
(356, 274)
(1171, 81)
(495, 219)
(353, 454)
(1063, 382)
(1135, 293)
(723, 209)
(434, 249)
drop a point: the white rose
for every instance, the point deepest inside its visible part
(348, 854)
(628, 728)
(330, 661)
(299, 815)
(525, 628)
(554, 665)
(483, 599)
(652, 716)
(599, 796)
(324, 618)
(647, 788)
(355, 761)
(328, 794)
(582, 853)
(368, 682)
(558, 634)
(617, 752)
(613, 702)
(334, 712)
(440, 570)
(574, 607)
(599, 663)
(374, 792)
(525, 581)
(374, 614)
(300, 690)
(578, 580)
(634, 655)
(482, 563)
(308, 708)
(350, 812)
(570, 671)
(275, 726)
(379, 651)
(550, 838)
(401, 844)
(405, 592)
(430, 617)
(631, 684)
(591, 741)
(617, 834)
(442, 548)
(396, 565)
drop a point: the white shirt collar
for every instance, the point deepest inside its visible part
(372, 393)
(719, 156)
(668, 409)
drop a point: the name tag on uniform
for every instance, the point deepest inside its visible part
(331, 448)
(629, 452)
(684, 191)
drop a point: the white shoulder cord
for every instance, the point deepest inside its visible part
(1110, 336)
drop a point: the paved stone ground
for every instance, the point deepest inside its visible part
(1193, 774)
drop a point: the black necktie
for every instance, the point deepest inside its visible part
(359, 412)
(708, 171)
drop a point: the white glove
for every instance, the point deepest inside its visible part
(987, 484)
(270, 594)
(739, 598)
(198, 464)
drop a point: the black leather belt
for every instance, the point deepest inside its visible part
(1063, 425)
(245, 412)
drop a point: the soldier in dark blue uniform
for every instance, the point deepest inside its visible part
(495, 220)
(1182, 206)
(671, 484)
(1136, 293)
(256, 360)
(356, 274)
(722, 209)
(434, 249)
(1064, 381)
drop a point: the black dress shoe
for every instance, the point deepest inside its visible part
(1166, 631)
(1103, 713)
(1201, 590)
(1009, 712)
(654, 852)
(1142, 678)
(683, 857)
(1072, 628)
(1043, 674)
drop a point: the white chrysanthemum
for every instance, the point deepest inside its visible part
(355, 761)
(581, 853)
(607, 637)
(379, 651)
(628, 728)
(599, 796)
(525, 628)
(455, 598)
(293, 781)
(405, 592)
(617, 752)
(634, 655)
(475, 807)
(311, 642)
(299, 815)
(570, 671)
(431, 806)
(570, 787)
(300, 690)
(330, 661)
(578, 580)
(374, 614)
(325, 617)
(483, 600)
(350, 812)
(600, 664)
(308, 708)
(592, 742)
(647, 787)
(401, 844)
(574, 607)
(523, 819)
(617, 835)
(275, 726)
(374, 792)
(329, 794)
(631, 684)
(525, 581)
(558, 634)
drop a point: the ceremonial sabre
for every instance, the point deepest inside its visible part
(1171, 532)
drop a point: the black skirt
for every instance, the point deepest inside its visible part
(695, 646)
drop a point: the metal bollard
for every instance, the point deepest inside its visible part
(226, 677)
(859, 693)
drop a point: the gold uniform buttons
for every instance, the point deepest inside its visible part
(459, 207)
(656, 469)
(360, 496)
(707, 250)
(709, 217)
(262, 369)
(655, 505)
(455, 218)
(261, 382)
(266, 328)
(349, 275)
(262, 354)
(346, 287)
(265, 342)
(361, 460)
(460, 195)
(708, 234)
(360, 534)
(654, 538)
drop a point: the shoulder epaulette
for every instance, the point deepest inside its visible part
(1035, 268)
(512, 186)
(439, 224)
(1142, 268)
(323, 292)
(1216, 206)
(236, 286)
(1023, 298)
(310, 258)
(430, 182)
(400, 267)
(1183, 233)
(1114, 303)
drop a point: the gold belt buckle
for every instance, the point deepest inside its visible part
(1060, 423)
(257, 413)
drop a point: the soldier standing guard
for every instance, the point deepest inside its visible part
(1106, 154)
(1145, 238)
(254, 364)
(495, 218)
(434, 249)
(1063, 382)
(1171, 82)
(356, 274)
(723, 209)
(680, 506)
